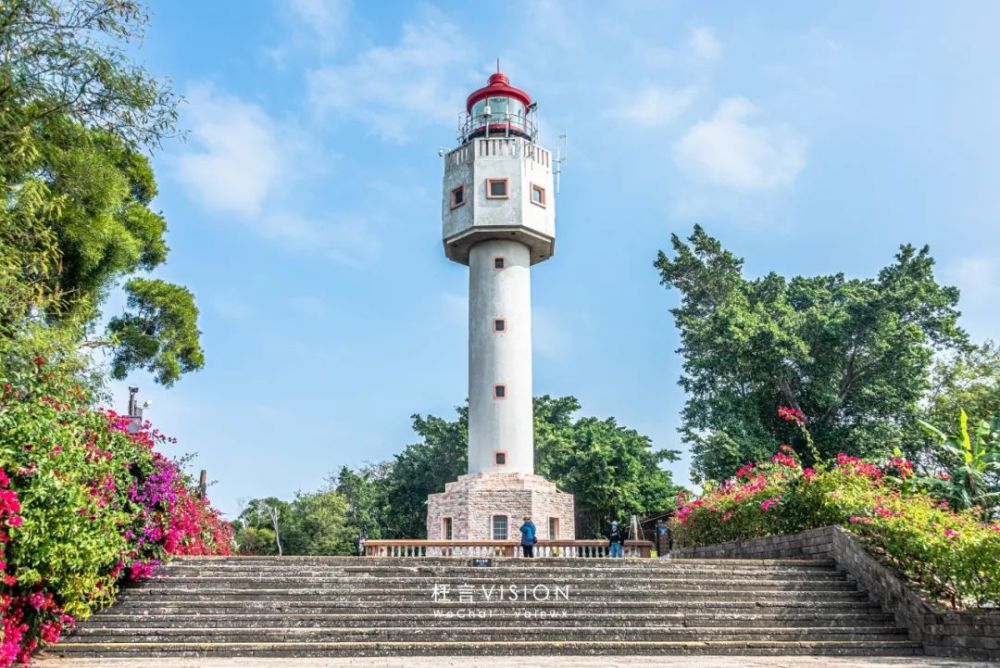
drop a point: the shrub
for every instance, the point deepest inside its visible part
(86, 501)
(954, 557)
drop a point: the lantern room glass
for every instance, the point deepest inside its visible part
(503, 111)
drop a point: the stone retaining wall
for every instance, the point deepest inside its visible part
(965, 633)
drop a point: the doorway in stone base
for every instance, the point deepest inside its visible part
(553, 528)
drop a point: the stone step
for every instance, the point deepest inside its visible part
(596, 574)
(413, 584)
(503, 648)
(425, 606)
(609, 567)
(173, 594)
(468, 634)
(490, 618)
(409, 562)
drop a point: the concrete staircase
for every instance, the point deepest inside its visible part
(338, 606)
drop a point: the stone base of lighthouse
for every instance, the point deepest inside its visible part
(472, 502)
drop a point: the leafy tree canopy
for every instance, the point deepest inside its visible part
(75, 115)
(852, 354)
(312, 523)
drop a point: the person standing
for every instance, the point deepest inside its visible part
(616, 541)
(528, 538)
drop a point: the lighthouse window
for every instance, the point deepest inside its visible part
(499, 527)
(446, 528)
(537, 195)
(496, 188)
(500, 457)
(498, 263)
(499, 325)
(457, 197)
(499, 391)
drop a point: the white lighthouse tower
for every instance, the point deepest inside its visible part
(498, 211)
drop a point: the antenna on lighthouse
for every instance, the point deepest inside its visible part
(560, 159)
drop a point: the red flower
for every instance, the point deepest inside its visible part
(768, 503)
(39, 360)
(791, 415)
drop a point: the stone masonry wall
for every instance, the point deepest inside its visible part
(956, 633)
(473, 500)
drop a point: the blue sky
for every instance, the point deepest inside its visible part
(304, 204)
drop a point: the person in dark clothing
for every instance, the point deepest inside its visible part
(528, 538)
(616, 541)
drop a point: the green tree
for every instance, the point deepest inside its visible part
(160, 333)
(852, 354)
(69, 58)
(968, 380)
(424, 468)
(365, 493)
(314, 523)
(75, 116)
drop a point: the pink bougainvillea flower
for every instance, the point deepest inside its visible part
(15, 521)
(784, 460)
(789, 414)
(766, 504)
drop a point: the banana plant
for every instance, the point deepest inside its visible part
(969, 465)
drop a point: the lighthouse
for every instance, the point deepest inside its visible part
(498, 214)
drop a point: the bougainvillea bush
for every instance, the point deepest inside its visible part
(86, 502)
(954, 557)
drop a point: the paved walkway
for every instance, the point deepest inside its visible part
(527, 662)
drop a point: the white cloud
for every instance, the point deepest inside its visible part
(235, 160)
(242, 162)
(729, 151)
(326, 18)
(655, 105)
(395, 89)
(704, 45)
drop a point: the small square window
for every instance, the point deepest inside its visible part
(500, 457)
(496, 188)
(499, 325)
(537, 195)
(498, 263)
(499, 391)
(457, 197)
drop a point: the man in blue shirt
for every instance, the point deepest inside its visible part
(528, 538)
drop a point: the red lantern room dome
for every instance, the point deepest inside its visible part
(498, 109)
(498, 86)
